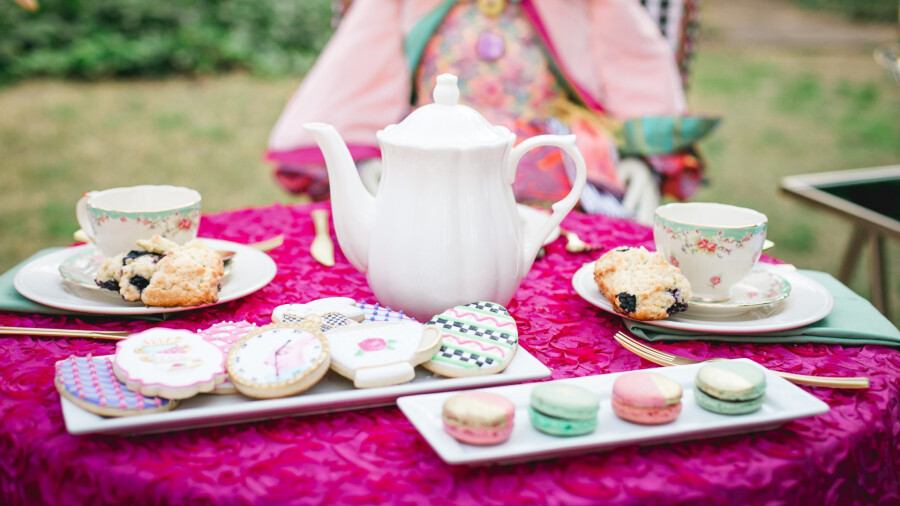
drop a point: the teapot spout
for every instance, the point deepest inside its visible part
(352, 206)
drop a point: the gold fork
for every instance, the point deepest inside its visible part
(114, 335)
(662, 358)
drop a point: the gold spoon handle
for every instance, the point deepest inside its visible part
(95, 334)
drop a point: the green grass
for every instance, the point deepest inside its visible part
(59, 139)
(783, 114)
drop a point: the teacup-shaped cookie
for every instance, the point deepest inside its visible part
(381, 354)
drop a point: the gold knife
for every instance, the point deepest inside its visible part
(322, 249)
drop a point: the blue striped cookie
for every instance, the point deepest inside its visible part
(478, 338)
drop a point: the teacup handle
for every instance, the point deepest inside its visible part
(81, 213)
(561, 208)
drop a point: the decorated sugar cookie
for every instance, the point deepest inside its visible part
(326, 322)
(170, 363)
(224, 335)
(295, 313)
(478, 338)
(378, 313)
(89, 383)
(380, 354)
(279, 360)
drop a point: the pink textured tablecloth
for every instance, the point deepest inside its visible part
(849, 455)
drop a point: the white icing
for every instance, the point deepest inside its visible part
(277, 355)
(375, 344)
(169, 358)
(344, 305)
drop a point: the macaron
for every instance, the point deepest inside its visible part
(729, 387)
(478, 418)
(560, 409)
(646, 398)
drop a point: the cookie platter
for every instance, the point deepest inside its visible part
(333, 393)
(783, 402)
(808, 302)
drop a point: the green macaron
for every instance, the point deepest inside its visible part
(560, 409)
(730, 387)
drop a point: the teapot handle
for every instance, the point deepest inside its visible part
(533, 243)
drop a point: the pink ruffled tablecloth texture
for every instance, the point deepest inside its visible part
(849, 455)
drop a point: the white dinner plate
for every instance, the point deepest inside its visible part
(783, 402)
(809, 302)
(40, 281)
(332, 393)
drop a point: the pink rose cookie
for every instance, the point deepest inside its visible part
(89, 383)
(279, 360)
(169, 363)
(381, 354)
(224, 335)
(478, 338)
(646, 398)
(479, 418)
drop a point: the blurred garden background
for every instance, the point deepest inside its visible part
(103, 93)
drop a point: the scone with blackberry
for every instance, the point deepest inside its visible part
(185, 276)
(640, 284)
(161, 273)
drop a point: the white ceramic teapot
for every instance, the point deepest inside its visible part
(443, 229)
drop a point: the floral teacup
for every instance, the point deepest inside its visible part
(714, 245)
(115, 219)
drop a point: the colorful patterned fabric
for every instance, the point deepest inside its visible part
(504, 73)
(651, 136)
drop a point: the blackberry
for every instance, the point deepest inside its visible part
(110, 284)
(679, 305)
(627, 302)
(140, 282)
(136, 253)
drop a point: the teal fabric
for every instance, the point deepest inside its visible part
(415, 41)
(853, 322)
(11, 300)
(661, 135)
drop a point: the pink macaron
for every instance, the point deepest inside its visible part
(646, 398)
(479, 418)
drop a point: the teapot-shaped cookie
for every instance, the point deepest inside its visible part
(443, 228)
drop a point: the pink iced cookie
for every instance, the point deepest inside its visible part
(646, 398)
(479, 418)
(168, 363)
(223, 335)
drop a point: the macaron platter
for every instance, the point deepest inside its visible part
(782, 402)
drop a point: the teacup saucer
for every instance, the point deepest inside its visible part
(760, 288)
(81, 269)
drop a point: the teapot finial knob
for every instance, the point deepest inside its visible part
(446, 92)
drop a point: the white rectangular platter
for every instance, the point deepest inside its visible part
(783, 402)
(332, 393)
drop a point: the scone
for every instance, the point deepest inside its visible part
(161, 273)
(129, 273)
(186, 276)
(640, 284)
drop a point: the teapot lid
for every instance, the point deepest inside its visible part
(445, 123)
